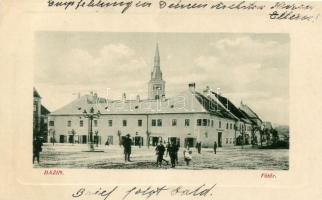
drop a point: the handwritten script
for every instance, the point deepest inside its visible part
(291, 11)
(144, 192)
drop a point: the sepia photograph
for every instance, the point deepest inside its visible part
(163, 101)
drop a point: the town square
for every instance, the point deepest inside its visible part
(195, 127)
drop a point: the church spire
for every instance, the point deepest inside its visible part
(156, 73)
(157, 57)
(156, 84)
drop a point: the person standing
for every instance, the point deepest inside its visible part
(127, 142)
(187, 154)
(215, 147)
(160, 149)
(37, 148)
(198, 146)
(173, 153)
(177, 150)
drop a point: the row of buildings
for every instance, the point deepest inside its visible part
(186, 118)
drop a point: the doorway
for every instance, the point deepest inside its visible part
(190, 142)
(174, 140)
(71, 139)
(138, 141)
(61, 139)
(110, 139)
(84, 139)
(219, 139)
(155, 140)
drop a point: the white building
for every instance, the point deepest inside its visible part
(188, 117)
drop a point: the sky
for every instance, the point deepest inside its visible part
(252, 68)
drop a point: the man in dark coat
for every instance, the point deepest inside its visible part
(37, 148)
(173, 153)
(215, 147)
(160, 149)
(198, 146)
(127, 142)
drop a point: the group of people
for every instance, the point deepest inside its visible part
(198, 147)
(171, 149)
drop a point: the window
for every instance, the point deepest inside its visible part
(231, 126)
(51, 123)
(110, 122)
(212, 123)
(81, 123)
(231, 140)
(219, 124)
(187, 122)
(174, 122)
(159, 122)
(124, 122)
(35, 108)
(226, 140)
(154, 122)
(95, 123)
(69, 123)
(198, 122)
(208, 122)
(140, 122)
(227, 125)
(204, 122)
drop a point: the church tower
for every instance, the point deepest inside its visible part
(156, 84)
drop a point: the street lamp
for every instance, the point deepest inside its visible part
(91, 115)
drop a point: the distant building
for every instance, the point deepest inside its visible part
(185, 118)
(40, 117)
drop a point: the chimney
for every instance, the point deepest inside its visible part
(123, 97)
(192, 87)
(138, 98)
(95, 95)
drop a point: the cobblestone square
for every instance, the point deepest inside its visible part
(235, 158)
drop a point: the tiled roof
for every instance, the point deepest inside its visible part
(213, 107)
(182, 103)
(246, 109)
(231, 107)
(250, 120)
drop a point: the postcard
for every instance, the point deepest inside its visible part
(161, 99)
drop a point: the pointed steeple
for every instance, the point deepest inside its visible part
(156, 73)
(157, 57)
(156, 84)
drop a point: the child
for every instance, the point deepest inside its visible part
(187, 154)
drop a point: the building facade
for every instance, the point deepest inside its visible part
(186, 118)
(40, 117)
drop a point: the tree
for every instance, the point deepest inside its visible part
(274, 136)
